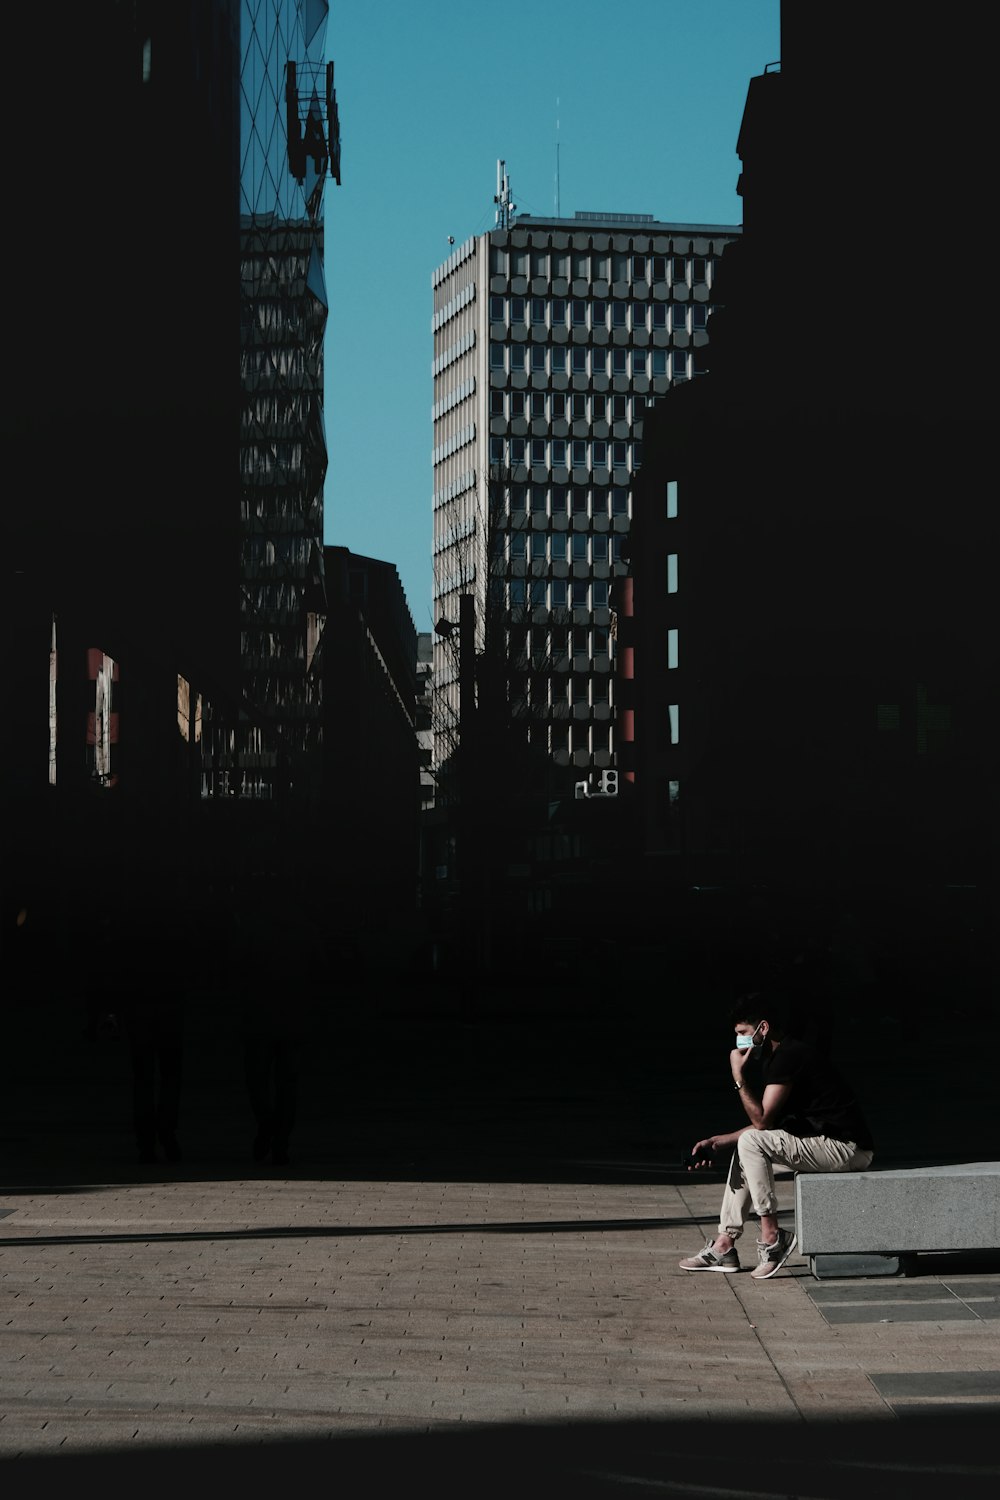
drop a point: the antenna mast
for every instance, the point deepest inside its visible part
(505, 209)
(558, 214)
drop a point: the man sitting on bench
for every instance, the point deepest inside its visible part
(802, 1115)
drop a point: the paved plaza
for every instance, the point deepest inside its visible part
(520, 1328)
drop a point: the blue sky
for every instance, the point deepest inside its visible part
(648, 100)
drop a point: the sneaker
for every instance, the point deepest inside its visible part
(711, 1260)
(771, 1258)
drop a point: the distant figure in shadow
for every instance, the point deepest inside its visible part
(280, 964)
(150, 1007)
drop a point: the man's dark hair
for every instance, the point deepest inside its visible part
(760, 1005)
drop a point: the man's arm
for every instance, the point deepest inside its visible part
(763, 1113)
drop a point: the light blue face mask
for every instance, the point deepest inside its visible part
(747, 1043)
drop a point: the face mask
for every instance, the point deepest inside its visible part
(747, 1043)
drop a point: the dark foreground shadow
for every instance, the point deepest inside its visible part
(912, 1455)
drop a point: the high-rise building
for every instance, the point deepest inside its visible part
(289, 145)
(552, 337)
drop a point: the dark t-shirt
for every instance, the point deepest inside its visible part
(820, 1102)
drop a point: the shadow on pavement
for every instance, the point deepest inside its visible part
(824, 1460)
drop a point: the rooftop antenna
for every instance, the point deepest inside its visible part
(505, 209)
(558, 214)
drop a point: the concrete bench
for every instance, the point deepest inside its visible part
(869, 1223)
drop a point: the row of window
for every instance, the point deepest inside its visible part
(680, 317)
(557, 453)
(602, 266)
(555, 359)
(547, 643)
(564, 406)
(574, 499)
(565, 546)
(558, 593)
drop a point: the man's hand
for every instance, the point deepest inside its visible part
(738, 1060)
(702, 1152)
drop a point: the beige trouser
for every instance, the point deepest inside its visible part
(751, 1174)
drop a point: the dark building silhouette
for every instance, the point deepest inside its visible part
(371, 767)
(120, 429)
(806, 641)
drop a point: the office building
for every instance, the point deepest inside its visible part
(552, 338)
(289, 146)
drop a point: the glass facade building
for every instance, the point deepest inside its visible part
(289, 145)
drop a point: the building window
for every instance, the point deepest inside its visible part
(560, 738)
(559, 494)
(671, 649)
(558, 357)
(619, 408)
(659, 362)
(599, 590)
(518, 592)
(619, 266)
(619, 314)
(659, 268)
(678, 314)
(496, 403)
(599, 640)
(539, 263)
(579, 407)
(519, 262)
(674, 712)
(496, 357)
(600, 267)
(639, 364)
(671, 572)
(599, 547)
(538, 403)
(600, 454)
(579, 546)
(580, 640)
(538, 450)
(580, 587)
(659, 315)
(557, 312)
(558, 599)
(579, 360)
(636, 455)
(518, 544)
(680, 362)
(671, 499)
(599, 315)
(579, 455)
(619, 362)
(518, 496)
(678, 270)
(638, 268)
(496, 450)
(558, 453)
(538, 310)
(498, 261)
(599, 361)
(580, 264)
(516, 451)
(619, 501)
(496, 309)
(517, 309)
(619, 455)
(537, 593)
(560, 264)
(700, 271)
(699, 315)
(579, 497)
(518, 357)
(538, 357)
(638, 318)
(539, 498)
(579, 313)
(557, 403)
(517, 403)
